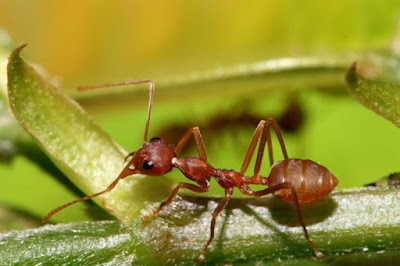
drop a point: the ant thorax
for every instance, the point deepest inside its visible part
(195, 169)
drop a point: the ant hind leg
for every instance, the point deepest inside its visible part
(275, 188)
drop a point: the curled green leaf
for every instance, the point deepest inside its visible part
(379, 95)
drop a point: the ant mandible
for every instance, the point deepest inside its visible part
(292, 180)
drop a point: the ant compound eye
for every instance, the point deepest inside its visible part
(155, 139)
(147, 165)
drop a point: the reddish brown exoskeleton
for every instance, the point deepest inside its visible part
(295, 181)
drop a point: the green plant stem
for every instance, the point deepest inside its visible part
(352, 222)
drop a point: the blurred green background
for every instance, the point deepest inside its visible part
(90, 42)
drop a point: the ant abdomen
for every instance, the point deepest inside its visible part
(310, 180)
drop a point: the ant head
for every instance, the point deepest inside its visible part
(154, 157)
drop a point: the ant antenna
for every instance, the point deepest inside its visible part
(125, 83)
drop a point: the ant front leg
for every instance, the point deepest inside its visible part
(273, 189)
(220, 207)
(172, 195)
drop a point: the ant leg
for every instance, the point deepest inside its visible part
(266, 137)
(262, 129)
(271, 121)
(252, 147)
(172, 195)
(125, 172)
(273, 189)
(199, 141)
(220, 207)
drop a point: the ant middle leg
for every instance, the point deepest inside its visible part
(220, 207)
(172, 195)
(281, 186)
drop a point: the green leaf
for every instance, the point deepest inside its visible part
(366, 82)
(22, 179)
(361, 223)
(84, 152)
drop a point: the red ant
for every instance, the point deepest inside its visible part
(295, 181)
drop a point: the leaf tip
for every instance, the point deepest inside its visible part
(21, 46)
(17, 50)
(13, 56)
